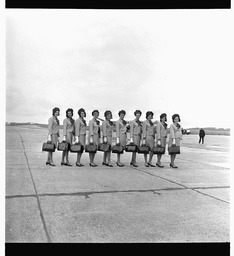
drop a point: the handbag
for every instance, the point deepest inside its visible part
(117, 149)
(76, 148)
(91, 148)
(131, 147)
(104, 147)
(158, 150)
(63, 146)
(173, 149)
(143, 149)
(48, 146)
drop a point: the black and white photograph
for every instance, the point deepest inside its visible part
(117, 125)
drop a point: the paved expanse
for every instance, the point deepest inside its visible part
(103, 204)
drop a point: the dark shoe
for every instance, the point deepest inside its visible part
(151, 165)
(173, 166)
(47, 163)
(146, 165)
(135, 165)
(52, 164)
(120, 165)
(62, 163)
(131, 163)
(110, 165)
(67, 164)
(93, 165)
(104, 163)
(81, 165)
(159, 165)
(78, 164)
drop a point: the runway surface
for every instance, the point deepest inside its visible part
(121, 205)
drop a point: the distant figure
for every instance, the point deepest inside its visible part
(201, 135)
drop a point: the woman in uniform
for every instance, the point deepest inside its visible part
(175, 136)
(135, 134)
(80, 133)
(161, 136)
(121, 133)
(68, 132)
(148, 134)
(94, 134)
(107, 128)
(53, 133)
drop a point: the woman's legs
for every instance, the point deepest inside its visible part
(173, 156)
(63, 156)
(159, 156)
(145, 156)
(104, 157)
(49, 157)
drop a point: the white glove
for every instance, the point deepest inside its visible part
(64, 138)
(143, 141)
(77, 139)
(105, 140)
(117, 140)
(131, 140)
(49, 138)
(91, 139)
(173, 141)
(159, 142)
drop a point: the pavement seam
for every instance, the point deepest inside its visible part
(177, 183)
(86, 194)
(37, 197)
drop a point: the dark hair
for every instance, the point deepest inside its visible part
(149, 113)
(69, 110)
(163, 115)
(174, 116)
(54, 110)
(137, 112)
(81, 110)
(107, 112)
(95, 111)
(122, 112)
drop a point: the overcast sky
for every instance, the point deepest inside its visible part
(172, 61)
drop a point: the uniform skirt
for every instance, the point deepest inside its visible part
(109, 139)
(136, 139)
(82, 139)
(163, 141)
(123, 139)
(177, 141)
(54, 139)
(95, 139)
(69, 137)
(149, 141)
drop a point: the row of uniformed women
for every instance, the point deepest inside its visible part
(148, 133)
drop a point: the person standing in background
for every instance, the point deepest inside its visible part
(80, 133)
(201, 135)
(53, 133)
(68, 132)
(135, 134)
(161, 137)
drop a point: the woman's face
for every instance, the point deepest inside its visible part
(149, 117)
(108, 117)
(176, 119)
(138, 115)
(122, 116)
(82, 114)
(163, 119)
(69, 114)
(95, 115)
(56, 113)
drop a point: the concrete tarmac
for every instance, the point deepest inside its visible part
(118, 204)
